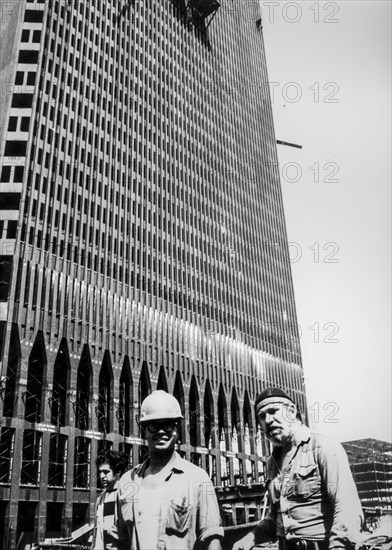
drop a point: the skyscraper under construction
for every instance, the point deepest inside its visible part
(143, 244)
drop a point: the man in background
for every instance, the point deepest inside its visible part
(110, 467)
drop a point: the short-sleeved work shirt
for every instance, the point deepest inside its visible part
(188, 510)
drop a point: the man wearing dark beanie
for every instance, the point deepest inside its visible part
(314, 504)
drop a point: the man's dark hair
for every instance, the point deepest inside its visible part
(117, 461)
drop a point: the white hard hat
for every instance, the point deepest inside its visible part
(160, 405)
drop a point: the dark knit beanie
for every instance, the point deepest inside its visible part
(271, 392)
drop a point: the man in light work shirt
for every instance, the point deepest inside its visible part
(166, 503)
(314, 504)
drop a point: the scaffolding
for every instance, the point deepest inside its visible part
(371, 465)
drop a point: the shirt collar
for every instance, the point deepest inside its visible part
(112, 487)
(302, 434)
(177, 464)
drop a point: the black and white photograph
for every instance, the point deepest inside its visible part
(195, 275)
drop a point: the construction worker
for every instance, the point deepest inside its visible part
(110, 467)
(166, 502)
(314, 504)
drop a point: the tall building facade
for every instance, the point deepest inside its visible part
(143, 244)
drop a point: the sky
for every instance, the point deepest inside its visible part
(330, 80)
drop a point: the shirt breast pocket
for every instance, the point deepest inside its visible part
(306, 481)
(179, 515)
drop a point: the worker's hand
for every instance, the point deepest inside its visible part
(246, 543)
